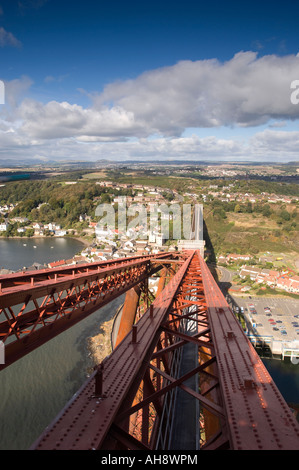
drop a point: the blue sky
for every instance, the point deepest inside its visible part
(149, 80)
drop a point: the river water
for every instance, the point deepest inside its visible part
(16, 253)
(35, 389)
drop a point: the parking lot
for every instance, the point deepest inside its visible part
(276, 317)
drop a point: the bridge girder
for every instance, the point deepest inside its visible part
(129, 401)
(37, 306)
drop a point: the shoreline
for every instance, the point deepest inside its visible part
(80, 239)
(4, 271)
(37, 237)
(99, 346)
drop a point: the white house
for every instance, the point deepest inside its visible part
(60, 233)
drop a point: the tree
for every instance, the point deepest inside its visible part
(248, 208)
(105, 198)
(284, 214)
(266, 211)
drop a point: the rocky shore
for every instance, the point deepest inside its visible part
(4, 271)
(100, 345)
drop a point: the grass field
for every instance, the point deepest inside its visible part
(95, 175)
(248, 221)
(243, 233)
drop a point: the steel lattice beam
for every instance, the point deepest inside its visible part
(257, 415)
(130, 400)
(37, 306)
(122, 406)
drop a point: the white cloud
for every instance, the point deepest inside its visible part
(278, 124)
(15, 92)
(51, 78)
(244, 91)
(146, 117)
(60, 120)
(264, 146)
(8, 39)
(284, 143)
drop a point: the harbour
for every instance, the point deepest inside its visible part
(19, 253)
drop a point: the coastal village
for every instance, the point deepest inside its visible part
(102, 244)
(111, 243)
(143, 195)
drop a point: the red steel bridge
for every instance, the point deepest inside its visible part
(182, 373)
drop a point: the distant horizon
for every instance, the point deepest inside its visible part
(153, 163)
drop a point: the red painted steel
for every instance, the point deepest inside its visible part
(257, 415)
(137, 379)
(128, 314)
(128, 403)
(37, 306)
(95, 416)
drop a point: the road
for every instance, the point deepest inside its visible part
(225, 282)
(226, 274)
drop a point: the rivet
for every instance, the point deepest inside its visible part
(151, 311)
(248, 383)
(134, 334)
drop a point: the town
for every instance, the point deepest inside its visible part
(284, 279)
(228, 203)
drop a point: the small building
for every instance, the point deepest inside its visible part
(56, 264)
